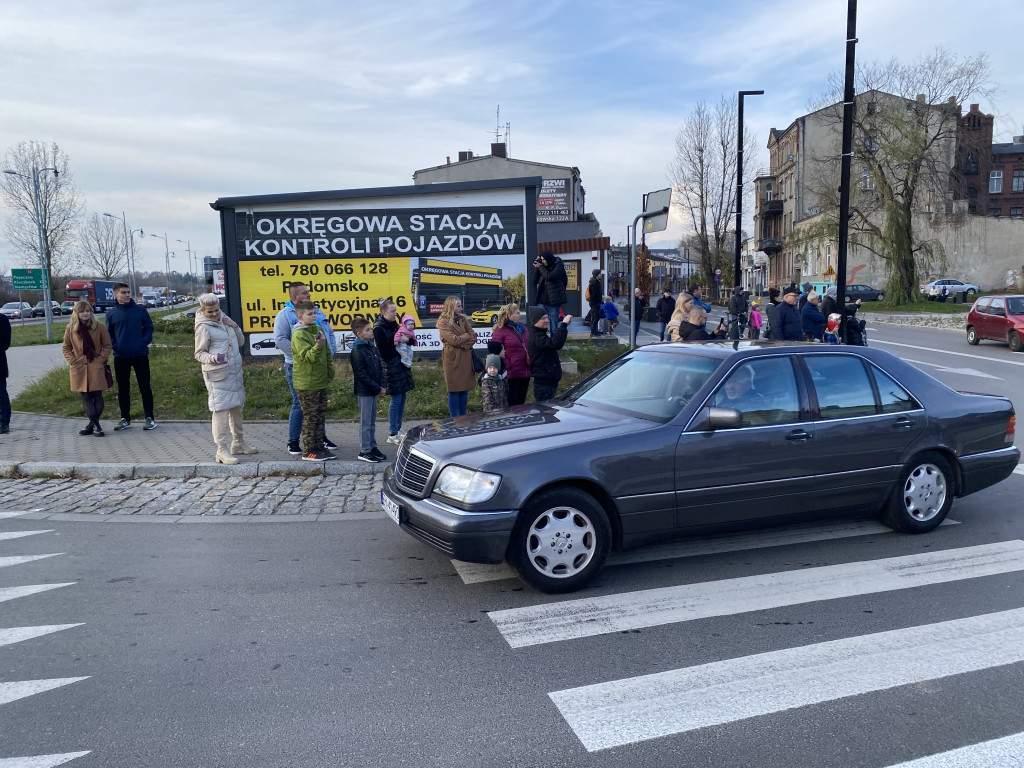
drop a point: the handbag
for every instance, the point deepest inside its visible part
(109, 376)
(478, 364)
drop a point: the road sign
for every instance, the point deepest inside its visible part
(830, 272)
(27, 279)
(655, 201)
(718, 272)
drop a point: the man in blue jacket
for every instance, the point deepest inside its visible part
(786, 323)
(131, 333)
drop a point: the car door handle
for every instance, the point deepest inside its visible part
(903, 424)
(799, 436)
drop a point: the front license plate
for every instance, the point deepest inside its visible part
(393, 510)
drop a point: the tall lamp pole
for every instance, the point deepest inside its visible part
(129, 239)
(192, 271)
(43, 254)
(739, 182)
(167, 262)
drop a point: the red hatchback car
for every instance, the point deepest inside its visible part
(1000, 318)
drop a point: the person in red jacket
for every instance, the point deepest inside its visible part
(514, 336)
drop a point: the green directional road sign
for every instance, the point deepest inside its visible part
(27, 279)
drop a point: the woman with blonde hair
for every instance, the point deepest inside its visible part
(87, 348)
(513, 336)
(457, 340)
(681, 315)
(217, 347)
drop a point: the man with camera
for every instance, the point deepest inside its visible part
(550, 280)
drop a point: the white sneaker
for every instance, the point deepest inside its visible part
(396, 439)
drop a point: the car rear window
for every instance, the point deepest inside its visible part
(842, 386)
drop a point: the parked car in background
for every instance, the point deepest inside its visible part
(675, 439)
(999, 318)
(39, 310)
(864, 292)
(952, 287)
(16, 309)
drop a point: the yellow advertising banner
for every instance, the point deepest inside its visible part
(342, 288)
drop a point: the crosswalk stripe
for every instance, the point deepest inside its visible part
(475, 573)
(586, 617)
(21, 688)
(637, 709)
(5, 535)
(6, 515)
(19, 559)
(10, 593)
(1019, 470)
(17, 634)
(40, 761)
(1007, 752)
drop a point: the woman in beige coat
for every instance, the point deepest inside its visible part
(87, 348)
(681, 315)
(457, 339)
(217, 348)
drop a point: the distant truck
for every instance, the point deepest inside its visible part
(99, 293)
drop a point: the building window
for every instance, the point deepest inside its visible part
(994, 212)
(995, 182)
(768, 192)
(871, 140)
(872, 107)
(1017, 213)
(1018, 180)
(971, 164)
(866, 182)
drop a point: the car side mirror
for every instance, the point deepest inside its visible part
(718, 418)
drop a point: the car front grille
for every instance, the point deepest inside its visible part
(412, 471)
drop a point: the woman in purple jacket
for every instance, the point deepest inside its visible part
(513, 335)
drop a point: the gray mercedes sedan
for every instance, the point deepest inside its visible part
(674, 439)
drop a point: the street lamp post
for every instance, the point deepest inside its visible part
(191, 266)
(167, 262)
(129, 236)
(43, 255)
(739, 182)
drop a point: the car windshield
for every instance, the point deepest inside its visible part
(649, 386)
(12, 305)
(1015, 305)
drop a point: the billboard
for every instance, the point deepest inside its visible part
(416, 245)
(554, 202)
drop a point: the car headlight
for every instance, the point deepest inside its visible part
(466, 485)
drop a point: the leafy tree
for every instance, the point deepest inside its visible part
(703, 174)
(102, 248)
(60, 204)
(643, 270)
(905, 130)
(514, 288)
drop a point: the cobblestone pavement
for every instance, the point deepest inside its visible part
(330, 497)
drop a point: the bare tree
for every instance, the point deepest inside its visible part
(60, 204)
(905, 133)
(703, 174)
(102, 249)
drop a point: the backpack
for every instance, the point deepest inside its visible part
(587, 294)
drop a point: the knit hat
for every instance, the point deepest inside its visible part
(493, 347)
(596, 272)
(493, 360)
(408, 319)
(807, 287)
(536, 313)
(792, 289)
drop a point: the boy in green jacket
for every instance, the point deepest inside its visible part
(312, 371)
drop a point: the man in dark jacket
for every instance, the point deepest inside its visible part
(550, 278)
(131, 333)
(738, 309)
(545, 367)
(595, 293)
(5, 399)
(786, 324)
(695, 329)
(639, 309)
(855, 326)
(665, 307)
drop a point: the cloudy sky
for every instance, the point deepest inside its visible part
(165, 106)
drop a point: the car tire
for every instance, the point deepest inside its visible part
(560, 541)
(494, 319)
(972, 336)
(1016, 345)
(880, 297)
(922, 497)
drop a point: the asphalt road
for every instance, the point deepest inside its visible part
(349, 643)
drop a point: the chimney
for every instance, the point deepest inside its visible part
(464, 155)
(920, 98)
(498, 150)
(448, 160)
(1018, 139)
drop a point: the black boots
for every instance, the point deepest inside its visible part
(94, 428)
